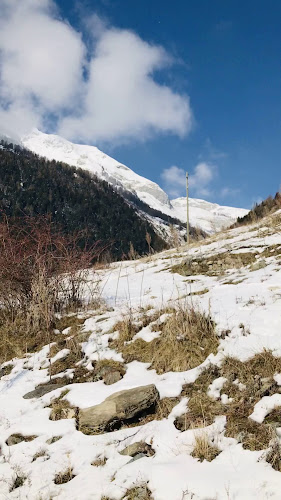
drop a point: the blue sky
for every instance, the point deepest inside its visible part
(218, 60)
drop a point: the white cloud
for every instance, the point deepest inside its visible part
(41, 61)
(199, 180)
(121, 98)
(104, 92)
(174, 181)
(229, 192)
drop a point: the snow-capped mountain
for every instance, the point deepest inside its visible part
(210, 217)
(207, 216)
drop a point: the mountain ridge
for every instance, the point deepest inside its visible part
(207, 216)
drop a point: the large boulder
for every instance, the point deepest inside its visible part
(117, 408)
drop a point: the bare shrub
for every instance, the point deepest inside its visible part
(42, 272)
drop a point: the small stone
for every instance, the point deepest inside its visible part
(138, 448)
(112, 377)
(18, 438)
(182, 423)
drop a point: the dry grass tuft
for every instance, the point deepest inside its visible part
(187, 338)
(273, 456)
(203, 450)
(99, 462)
(64, 477)
(40, 453)
(6, 370)
(201, 384)
(128, 328)
(61, 409)
(53, 439)
(18, 480)
(262, 365)
(141, 492)
(75, 355)
(202, 411)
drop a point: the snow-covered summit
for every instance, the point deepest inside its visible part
(207, 216)
(210, 217)
(92, 159)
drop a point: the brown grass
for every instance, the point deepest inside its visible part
(202, 411)
(61, 408)
(64, 477)
(127, 328)
(262, 365)
(138, 492)
(187, 338)
(273, 456)
(40, 453)
(73, 343)
(257, 376)
(203, 450)
(214, 265)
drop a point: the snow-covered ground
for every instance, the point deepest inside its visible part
(249, 296)
(207, 216)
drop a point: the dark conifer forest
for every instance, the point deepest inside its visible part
(74, 199)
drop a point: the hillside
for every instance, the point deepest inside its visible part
(75, 199)
(154, 201)
(261, 210)
(192, 339)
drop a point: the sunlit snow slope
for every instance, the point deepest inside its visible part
(205, 215)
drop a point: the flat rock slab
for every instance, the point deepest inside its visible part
(117, 408)
(41, 390)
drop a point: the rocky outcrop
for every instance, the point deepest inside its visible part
(43, 389)
(118, 408)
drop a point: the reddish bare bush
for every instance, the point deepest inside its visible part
(42, 272)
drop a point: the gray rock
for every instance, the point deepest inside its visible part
(112, 377)
(138, 448)
(6, 370)
(18, 438)
(40, 390)
(119, 407)
(53, 439)
(137, 457)
(182, 423)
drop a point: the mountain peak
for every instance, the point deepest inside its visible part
(210, 217)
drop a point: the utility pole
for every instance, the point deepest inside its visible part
(187, 211)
